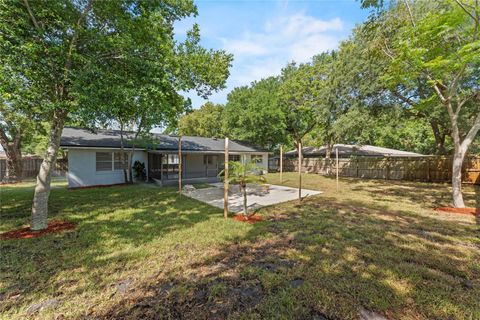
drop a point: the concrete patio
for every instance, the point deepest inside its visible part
(257, 196)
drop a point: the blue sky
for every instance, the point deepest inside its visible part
(265, 35)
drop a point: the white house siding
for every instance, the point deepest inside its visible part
(194, 167)
(82, 168)
(263, 164)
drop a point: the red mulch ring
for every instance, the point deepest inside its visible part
(249, 219)
(472, 211)
(27, 233)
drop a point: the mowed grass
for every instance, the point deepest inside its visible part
(143, 252)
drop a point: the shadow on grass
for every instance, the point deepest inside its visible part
(114, 224)
(325, 259)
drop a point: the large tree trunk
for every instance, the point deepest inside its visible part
(13, 155)
(42, 189)
(458, 158)
(440, 136)
(14, 164)
(461, 148)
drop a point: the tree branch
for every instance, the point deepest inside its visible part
(410, 13)
(32, 16)
(473, 131)
(463, 6)
(68, 62)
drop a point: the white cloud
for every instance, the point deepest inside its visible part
(244, 47)
(289, 37)
(265, 51)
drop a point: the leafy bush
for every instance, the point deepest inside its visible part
(139, 170)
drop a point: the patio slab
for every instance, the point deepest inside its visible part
(257, 196)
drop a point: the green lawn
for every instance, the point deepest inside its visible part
(144, 252)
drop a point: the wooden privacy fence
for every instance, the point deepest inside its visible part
(31, 166)
(426, 168)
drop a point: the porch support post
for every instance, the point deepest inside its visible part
(180, 165)
(281, 164)
(225, 182)
(300, 171)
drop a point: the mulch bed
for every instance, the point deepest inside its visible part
(469, 211)
(26, 233)
(249, 219)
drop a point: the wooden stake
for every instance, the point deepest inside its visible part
(180, 165)
(225, 182)
(281, 164)
(299, 171)
(336, 156)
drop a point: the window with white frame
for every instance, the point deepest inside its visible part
(109, 161)
(104, 161)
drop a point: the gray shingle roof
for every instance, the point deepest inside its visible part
(76, 137)
(347, 150)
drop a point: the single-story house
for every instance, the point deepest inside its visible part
(349, 150)
(94, 158)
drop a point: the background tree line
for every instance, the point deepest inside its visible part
(359, 94)
(407, 78)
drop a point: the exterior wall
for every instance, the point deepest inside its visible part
(263, 164)
(82, 168)
(194, 167)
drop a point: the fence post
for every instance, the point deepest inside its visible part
(356, 167)
(225, 182)
(387, 174)
(428, 169)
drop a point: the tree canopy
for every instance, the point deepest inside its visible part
(89, 60)
(203, 122)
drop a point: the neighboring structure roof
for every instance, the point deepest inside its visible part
(347, 150)
(2, 154)
(76, 137)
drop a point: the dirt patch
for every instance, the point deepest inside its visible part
(27, 233)
(248, 219)
(469, 211)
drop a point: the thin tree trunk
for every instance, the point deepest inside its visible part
(328, 152)
(300, 171)
(42, 189)
(122, 153)
(244, 192)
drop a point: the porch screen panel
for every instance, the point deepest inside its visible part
(103, 161)
(234, 157)
(170, 166)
